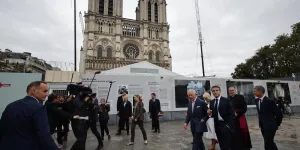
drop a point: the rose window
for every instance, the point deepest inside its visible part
(131, 51)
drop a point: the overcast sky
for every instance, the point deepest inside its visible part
(232, 29)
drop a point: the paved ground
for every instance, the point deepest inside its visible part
(174, 137)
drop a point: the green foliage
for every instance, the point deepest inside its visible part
(272, 61)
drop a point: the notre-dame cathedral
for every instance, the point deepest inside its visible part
(112, 41)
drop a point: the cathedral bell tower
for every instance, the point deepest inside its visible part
(112, 41)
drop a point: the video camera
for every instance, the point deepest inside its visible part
(76, 89)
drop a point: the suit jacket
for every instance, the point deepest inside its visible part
(195, 117)
(125, 111)
(225, 109)
(154, 107)
(269, 115)
(119, 102)
(56, 115)
(139, 111)
(24, 126)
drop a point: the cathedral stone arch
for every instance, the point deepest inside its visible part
(99, 51)
(154, 48)
(150, 55)
(109, 52)
(158, 56)
(104, 42)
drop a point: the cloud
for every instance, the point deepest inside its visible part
(232, 30)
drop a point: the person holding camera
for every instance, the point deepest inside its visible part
(56, 116)
(83, 106)
(103, 118)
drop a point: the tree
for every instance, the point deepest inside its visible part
(280, 59)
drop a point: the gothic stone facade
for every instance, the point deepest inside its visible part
(111, 41)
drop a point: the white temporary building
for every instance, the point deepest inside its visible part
(143, 68)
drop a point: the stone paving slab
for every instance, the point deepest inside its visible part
(174, 137)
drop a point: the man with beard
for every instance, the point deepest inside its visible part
(241, 138)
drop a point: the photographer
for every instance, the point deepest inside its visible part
(57, 115)
(103, 118)
(84, 107)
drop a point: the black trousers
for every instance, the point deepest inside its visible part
(197, 141)
(93, 126)
(140, 123)
(223, 135)
(122, 123)
(155, 123)
(80, 128)
(60, 133)
(269, 135)
(66, 129)
(103, 127)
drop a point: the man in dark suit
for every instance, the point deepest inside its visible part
(120, 103)
(197, 115)
(221, 110)
(154, 110)
(125, 112)
(269, 117)
(24, 123)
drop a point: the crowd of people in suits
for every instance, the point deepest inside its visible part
(223, 121)
(30, 122)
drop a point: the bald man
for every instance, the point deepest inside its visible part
(197, 116)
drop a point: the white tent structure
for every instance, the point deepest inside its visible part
(143, 68)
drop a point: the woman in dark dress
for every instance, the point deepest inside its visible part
(241, 139)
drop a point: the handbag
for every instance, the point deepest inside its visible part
(161, 113)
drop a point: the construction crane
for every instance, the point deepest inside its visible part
(81, 22)
(200, 35)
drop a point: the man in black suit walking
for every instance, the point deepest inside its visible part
(197, 115)
(125, 112)
(154, 110)
(222, 111)
(120, 103)
(269, 117)
(24, 123)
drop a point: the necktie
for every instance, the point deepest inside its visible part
(216, 114)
